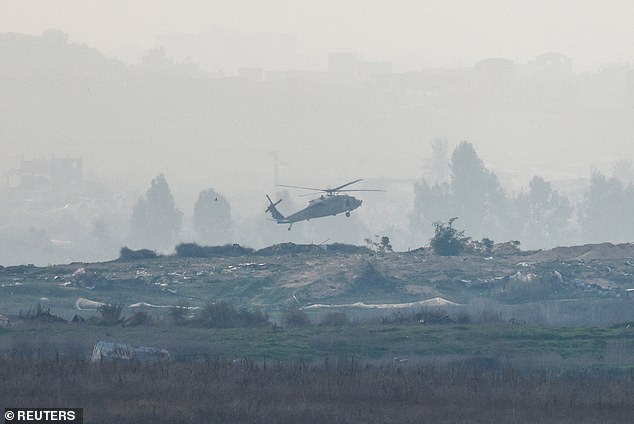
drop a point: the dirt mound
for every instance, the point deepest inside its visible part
(193, 250)
(290, 248)
(586, 251)
(347, 249)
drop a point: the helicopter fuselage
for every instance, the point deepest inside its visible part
(324, 206)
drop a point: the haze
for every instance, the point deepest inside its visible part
(412, 34)
(210, 93)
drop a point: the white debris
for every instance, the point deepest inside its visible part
(84, 304)
(109, 351)
(436, 301)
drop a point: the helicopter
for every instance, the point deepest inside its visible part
(327, 204)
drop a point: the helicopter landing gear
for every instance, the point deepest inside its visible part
(348, 214)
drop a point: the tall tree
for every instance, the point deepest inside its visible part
(212, 218)
(478, 198)
(606, 211)
(431, 203)
(542, 215)
(155, 219)
(437, 165)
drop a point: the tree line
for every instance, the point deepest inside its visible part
(539, 216)
(156, 221)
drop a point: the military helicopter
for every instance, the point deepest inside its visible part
(332, 203)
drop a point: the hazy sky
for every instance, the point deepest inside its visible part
(411, 33)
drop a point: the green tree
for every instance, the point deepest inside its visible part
(155, 219)
(447, 240)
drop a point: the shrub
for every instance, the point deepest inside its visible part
(111, 314)
(139, 318)
(373, 277)
(295, 317)
(381, 245)
(423, 316)
(224, 315)
(190, 250)
(482, 247)
(193, 250)
(40, 314)
(177, 312)
(127, 254)
(447, 240)
(335, 319)
(347, 248)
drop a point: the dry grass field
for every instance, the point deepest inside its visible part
(342, 391)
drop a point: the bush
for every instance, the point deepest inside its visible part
(447, 240)
(372, 277)
(177, 312)
(423, 316)
(139, 318)
(224, 315)
(127, 254)
(381, 245)
(296, 317)
(40, 314)
(190, 250)
(334, 319)
(111, 314)
(347, 249)
(193, 250)
(482, 247)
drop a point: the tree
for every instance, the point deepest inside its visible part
(431, 203)
(476, 194)
(212, 218)
(542, 215)
(447, 240)
(437, 165)
(155, 219)
(606, 211)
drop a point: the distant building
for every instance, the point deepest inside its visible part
(551, 65)
(225, 50)
(47, 175)
(348, 67)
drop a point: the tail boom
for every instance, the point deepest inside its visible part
(274, 212)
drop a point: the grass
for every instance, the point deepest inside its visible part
(367, 371)
(543, 347)
(342, 390)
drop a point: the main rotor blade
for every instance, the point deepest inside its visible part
(327, 190)
(345, 185)
(342, 191)
(304, 188)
